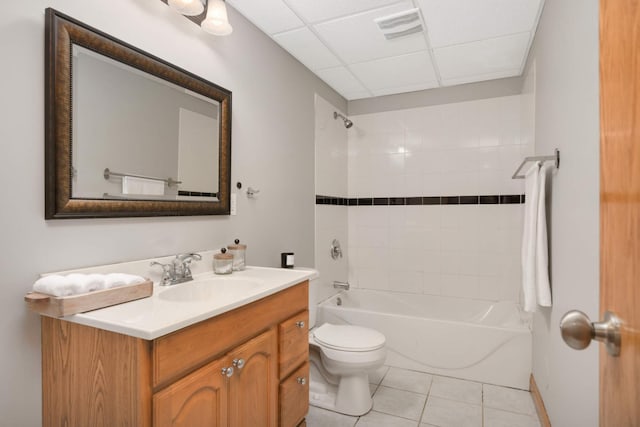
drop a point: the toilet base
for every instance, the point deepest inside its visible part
(351, 396)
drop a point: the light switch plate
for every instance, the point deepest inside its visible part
(234, 204)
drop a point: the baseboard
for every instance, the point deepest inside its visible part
(539, 403)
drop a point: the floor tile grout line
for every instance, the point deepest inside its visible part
(424, 408)
(482, 406)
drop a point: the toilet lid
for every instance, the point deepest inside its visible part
(348, 337)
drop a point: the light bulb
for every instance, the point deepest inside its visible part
(216, 22)
(187, 7)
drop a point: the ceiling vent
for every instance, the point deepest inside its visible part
(400, 24)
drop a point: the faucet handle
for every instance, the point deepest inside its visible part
(184, 263)
(188, 257)
(167, 270)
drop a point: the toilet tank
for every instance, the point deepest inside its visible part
(314, 284)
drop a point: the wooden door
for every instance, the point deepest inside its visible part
(253, 389)
(199, 399)
(620, 206)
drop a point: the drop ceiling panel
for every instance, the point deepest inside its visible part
(482, 57)
(467, 41)
(307, 48)
(357, 38)
(460, 21)
(321, 10)
(271, 16)
(344, 82)
(412, 70)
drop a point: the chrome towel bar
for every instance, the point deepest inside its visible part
(169, 181)
(555, 158)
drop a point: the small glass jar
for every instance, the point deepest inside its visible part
(223, 262)
(239, 255)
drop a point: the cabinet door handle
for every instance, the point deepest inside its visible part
(238, 363)
(301, 380)
(300, 324)
(227, 371)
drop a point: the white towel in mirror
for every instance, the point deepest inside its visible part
(149, 187)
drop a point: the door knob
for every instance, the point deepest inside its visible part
(578, 331)
(227, 372)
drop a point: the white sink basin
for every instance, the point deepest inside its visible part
(209, 289)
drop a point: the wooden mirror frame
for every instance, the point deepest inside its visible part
(61, 33)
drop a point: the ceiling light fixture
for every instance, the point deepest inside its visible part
(216, 22)
(187, 7)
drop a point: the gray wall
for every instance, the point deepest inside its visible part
(273, 150)
(439, 96)
(564, 61)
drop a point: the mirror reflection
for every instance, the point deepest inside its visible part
(138, 137)
(128, 134)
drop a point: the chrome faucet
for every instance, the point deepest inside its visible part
(178, 270)
(341, 285)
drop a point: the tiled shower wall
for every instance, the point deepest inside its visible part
(331, 178)
(459, 149)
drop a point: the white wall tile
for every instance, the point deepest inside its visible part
(455, 149)
(431, 284)
(406, 281)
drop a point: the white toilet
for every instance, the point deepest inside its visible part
(341, 357)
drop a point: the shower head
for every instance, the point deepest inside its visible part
(347, 123)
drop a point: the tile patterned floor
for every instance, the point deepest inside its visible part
(403, 398)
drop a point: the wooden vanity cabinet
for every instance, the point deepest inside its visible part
(239, 389)
(96, 377)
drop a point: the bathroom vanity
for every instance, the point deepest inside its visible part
(194, 354)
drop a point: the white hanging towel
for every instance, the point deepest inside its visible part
(543, 288)
(529, 236)
(149, 187)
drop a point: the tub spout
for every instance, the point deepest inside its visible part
(341, 285)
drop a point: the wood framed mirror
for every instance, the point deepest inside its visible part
(128, 134)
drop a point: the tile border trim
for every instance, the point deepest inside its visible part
(495, 199)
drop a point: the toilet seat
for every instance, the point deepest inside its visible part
(348, 338)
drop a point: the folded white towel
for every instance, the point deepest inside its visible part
(532, 190)
(543, 288)
(54, 285)
(114, 280)
(75, 283)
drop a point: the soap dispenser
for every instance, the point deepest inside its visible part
(239, 253)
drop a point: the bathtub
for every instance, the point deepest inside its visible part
(477, 340)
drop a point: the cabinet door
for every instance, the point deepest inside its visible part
(294, 397)
(199, 399)
(253, 389)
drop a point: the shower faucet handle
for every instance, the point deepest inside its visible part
(335, 249)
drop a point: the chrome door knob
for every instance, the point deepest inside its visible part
(238, 363)
(577, 331)
(301, 380)
(300, 324)
(227, 372)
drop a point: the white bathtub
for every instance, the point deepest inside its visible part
(471, 339)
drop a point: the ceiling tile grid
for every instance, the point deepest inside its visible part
(354, 49)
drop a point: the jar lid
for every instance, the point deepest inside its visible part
(236, 247)
(223, 256)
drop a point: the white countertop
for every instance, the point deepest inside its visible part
(153, 317)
